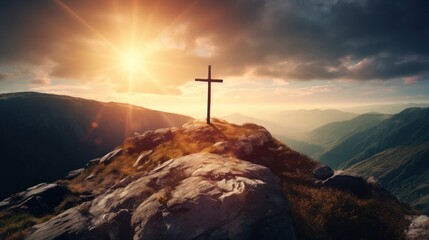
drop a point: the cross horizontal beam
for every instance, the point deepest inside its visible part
(208, 80)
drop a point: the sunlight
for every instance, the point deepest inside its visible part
(131, 61)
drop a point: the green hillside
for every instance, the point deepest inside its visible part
(396, 152)
(331, 133)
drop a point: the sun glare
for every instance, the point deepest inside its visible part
(131, 61)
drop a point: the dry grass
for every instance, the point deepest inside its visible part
(13, 225)
(16, 224)
(334, 214)
(104, 176)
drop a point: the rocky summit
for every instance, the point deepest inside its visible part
(200, 181)
(199, 196)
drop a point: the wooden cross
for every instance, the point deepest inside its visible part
(209, 80)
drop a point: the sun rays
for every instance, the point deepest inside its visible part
(127, 55)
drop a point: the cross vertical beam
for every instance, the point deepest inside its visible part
(209, 81)
(209, 94)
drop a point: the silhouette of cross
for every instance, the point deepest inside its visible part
(209, 81)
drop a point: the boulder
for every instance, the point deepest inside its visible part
(350, 182)
(247, 145)
(323, 172)
(93, 162)
(260, 137)
(219, 147)
(142, 158)
(74, 173)
(37, 200)
(244, 146)
(110, 156)
(199, 196)
(418, 228)
(91, 176)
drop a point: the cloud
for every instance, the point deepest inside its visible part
(3, 77)
(288, 40)
(40, 81)
(306, 91)
(411, 80)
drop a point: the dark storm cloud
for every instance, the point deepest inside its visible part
(327, 42)
(294, 39)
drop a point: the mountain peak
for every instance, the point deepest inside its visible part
(151, 148)
(200, 181)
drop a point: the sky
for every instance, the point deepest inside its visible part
(273, 55)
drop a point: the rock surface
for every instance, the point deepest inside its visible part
(74, 173)
(110, 156)
(64, 226)
(150, 139)
(419, 228)
(39, 199)
(142, 158)
(93, 162)
(199, 196)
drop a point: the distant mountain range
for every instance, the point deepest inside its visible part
(409, 127)
(396, 151)
(331, 133)
(293, 123)
(307, 120)
(385, 108)
(276, 128)
(45, 135)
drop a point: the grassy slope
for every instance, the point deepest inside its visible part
(404, 171)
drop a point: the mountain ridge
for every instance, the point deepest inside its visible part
(399, 126)
(41, 127)
(385, 108)
(307, 120)
(396, 151)
(331, 133)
